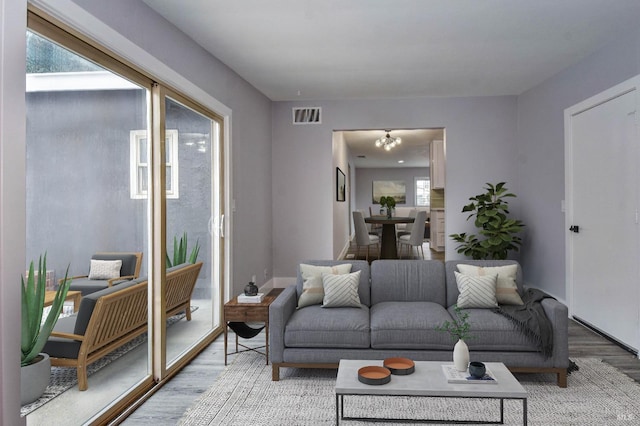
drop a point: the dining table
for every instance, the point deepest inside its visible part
(388, 248)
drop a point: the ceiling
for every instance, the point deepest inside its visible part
(359, 49)
(413, 151)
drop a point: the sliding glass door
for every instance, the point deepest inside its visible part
(117, 162)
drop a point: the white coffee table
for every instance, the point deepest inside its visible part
(428, 380)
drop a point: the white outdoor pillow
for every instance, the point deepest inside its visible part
(104, 269)
(476, 291)
(341, 291)
(312, 291)
(506, 287)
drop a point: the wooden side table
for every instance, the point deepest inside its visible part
(248, 312)
(76, 296)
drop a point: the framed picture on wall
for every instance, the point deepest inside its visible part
(341, 185)
(394, 188)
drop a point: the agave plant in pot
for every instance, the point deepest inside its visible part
(36, 366)
(180, 252)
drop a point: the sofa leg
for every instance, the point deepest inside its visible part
(562, 378)
(275, 372)
(82, 377)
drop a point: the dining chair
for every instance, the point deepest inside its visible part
(416, 238)
(363, 238)
(376, 228)
(407, 229)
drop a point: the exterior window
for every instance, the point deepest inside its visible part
(423, 189)
(139, 176)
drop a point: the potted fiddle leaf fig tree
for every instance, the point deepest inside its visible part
(35, 365)
(497, 232)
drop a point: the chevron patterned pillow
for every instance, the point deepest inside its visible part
(477, 291)
(341, 291)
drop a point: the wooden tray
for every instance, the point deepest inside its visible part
(374, 375)
(400, 366)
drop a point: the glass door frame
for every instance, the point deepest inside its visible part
(158, 373)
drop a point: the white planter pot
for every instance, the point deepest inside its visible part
(34, 379)
(461, 356)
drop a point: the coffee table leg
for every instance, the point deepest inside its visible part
(524, 411)
(501, 411)
(337, 409)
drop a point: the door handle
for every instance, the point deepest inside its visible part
(575, 228)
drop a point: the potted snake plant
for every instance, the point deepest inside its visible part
(35, 365)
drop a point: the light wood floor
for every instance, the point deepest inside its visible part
(169, 404)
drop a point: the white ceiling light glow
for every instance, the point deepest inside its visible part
(387, 142)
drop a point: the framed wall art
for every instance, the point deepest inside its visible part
(394, 188)
(341, 185)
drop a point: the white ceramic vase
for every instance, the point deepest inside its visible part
(461, 355)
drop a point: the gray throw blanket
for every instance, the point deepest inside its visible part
(531, 319)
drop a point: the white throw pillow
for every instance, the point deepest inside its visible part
(341, 291)
(476, 291)
(312, 291)
(104, 269)
(506, 287)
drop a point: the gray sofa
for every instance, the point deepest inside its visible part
(402, 303)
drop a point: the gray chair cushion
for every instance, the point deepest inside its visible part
(451, 267)
(409, 325)
(407, 280)
(317, 327)
(494, 332)
(63, 348)
(356, 265)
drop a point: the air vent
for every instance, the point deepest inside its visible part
(307, 115)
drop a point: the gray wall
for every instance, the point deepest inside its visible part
(480, 135)
(540, 157)
(251, 125)
(365, 178)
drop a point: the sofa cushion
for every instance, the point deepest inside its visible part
(409, 325)
(476, 291)
(506, 288)
(407, 281)
(312, 286)
(452, 265)
(356, 265)
(315, 327)
(58, 347)
(341, 291)
(89, 301)
(491, 331)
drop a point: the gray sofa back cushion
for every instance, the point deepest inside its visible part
(356, 265)
(408, 281)
(451, 267)
(89, 303)
(129, 261)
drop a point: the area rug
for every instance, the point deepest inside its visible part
(244, 394)
(63, 378)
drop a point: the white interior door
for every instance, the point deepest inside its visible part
(603, 187)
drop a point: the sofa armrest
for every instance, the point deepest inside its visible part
(558, 314)
(280, 311)
(67, 335)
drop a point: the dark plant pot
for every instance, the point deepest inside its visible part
(34, 379)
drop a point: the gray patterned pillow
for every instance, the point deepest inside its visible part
(104, 269)
(312, 292)
(476, 291)
(341, 291)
